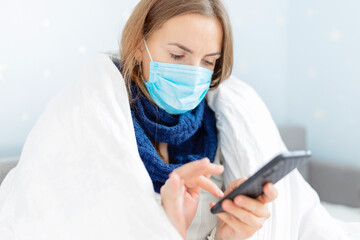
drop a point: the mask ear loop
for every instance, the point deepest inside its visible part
(157, 119)
(141, 71)
(147, 50)
(140, 67)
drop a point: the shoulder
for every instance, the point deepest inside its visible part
(234, 92)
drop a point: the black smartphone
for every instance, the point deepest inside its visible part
(272, 172)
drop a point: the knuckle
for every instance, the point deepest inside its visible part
(259, 225)
(163, 191)
(247, 217)
(176, 170)
(237, 200)
(202, 163)
(225, 205)
(273, 193)
(267, 215)
(276, 193)
(254, 220)
(233, 184)
(239, 180)
(249, 232)
(211, 167)
(241, 200)
(266, 211)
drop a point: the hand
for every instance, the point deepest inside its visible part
(180, 193)
(245, 215)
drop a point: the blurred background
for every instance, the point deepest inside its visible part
(302, 57)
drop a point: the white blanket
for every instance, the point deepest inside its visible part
(80, 175)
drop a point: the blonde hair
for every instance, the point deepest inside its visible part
(149, 15)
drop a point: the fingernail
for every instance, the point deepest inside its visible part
(220, 193)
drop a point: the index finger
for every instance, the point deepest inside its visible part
(206, 184)
(198, 168)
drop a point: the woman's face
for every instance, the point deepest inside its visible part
(190, 39)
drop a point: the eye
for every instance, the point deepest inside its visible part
(176, 57)
(208, 63)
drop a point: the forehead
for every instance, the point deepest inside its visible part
(197, 32)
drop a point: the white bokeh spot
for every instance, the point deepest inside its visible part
(24, 117)
(349, 63)
(46, 73)
(258, 49)
(238, 21)
(341, 97)
(319, 113)
(82, 49)
(244, 66)
(335, 35)
(301, 51)
(309, 12)
(277, 76)
(353, 120)
(280, 21)
(2, 68)
(312, 73)
(46, 23)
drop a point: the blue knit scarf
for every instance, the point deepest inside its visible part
(190, 136)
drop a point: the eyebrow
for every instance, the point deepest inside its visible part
(190, 51)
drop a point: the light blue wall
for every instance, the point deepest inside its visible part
(303, 58)
(300, 56)
(43, 45)
(324, 76)
(261, 49)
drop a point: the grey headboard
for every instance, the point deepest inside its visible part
(6, 164)
(335, 182)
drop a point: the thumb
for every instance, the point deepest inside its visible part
(234, 184)
(173, 190)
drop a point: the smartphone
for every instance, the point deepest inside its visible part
(272, 172)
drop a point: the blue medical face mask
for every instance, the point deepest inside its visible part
(177, 88)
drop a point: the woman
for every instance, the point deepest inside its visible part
(172, 52)
(102, 151)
